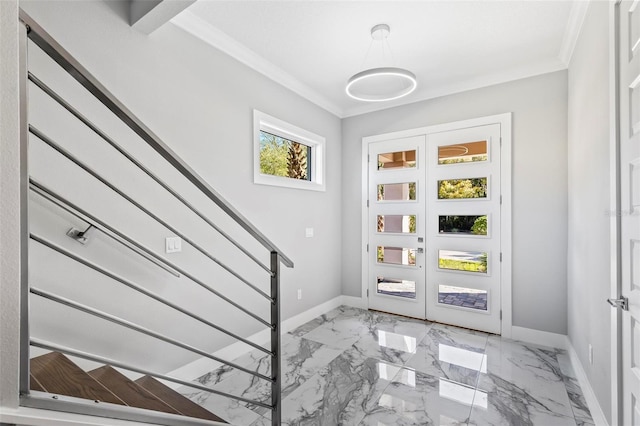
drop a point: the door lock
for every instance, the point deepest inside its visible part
(420, 250)
(622, 303)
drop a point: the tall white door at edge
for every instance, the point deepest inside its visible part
(396, 223)
(463, 228)
(628, 29)
(434, 227)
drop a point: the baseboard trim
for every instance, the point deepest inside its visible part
(27, 416)
(202, 366)
(589, 395)
(537, 337)
(355, 302)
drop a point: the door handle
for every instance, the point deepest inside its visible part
(622, 303)
(420, 250)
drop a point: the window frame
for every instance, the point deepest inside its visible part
(266, 123)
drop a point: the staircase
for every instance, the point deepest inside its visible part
(231, 269)
(56, 374)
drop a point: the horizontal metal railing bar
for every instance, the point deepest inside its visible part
(142, 290)
(74, 210)
(96, 358)
(43, 40)
(162, 222)
(128, 324)
(73, 111)
(69, 404)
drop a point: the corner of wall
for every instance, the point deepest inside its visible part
(10, 207)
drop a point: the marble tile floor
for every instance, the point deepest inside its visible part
(358, 367)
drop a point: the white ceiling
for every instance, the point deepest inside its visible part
(313, 47)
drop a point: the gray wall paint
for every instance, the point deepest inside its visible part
(539, 106)
(139, 9)
(10, 205)
(589, 191)
(200, 102)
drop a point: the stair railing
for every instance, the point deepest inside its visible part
(45, 42)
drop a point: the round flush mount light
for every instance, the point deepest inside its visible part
(383, 83)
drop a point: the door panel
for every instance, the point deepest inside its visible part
(463, 228)
(629, 166)
(395, 223)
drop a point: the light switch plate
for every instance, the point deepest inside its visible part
(308, 232)
(173, 244)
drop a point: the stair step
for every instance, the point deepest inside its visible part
(34, 384)
(130, 392)
(55, 373)
(177, 401)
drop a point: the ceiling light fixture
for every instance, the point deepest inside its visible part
(384, 83)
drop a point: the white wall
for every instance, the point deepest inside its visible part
(588, 268)
(200, 102)
(9, 207)
(539, 106)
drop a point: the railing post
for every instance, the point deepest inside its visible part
(24, 214)
(276, 386)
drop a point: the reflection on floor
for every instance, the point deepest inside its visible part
(356, 367)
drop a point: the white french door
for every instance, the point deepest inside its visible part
(629, 214)
(433, 225)
(463, 228)
(396, 224)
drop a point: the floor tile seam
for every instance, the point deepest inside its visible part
(569, 406)
(382, 392)
(394, 364)
(473, 401)
(475, 388)
(576, 415)
(235, 374)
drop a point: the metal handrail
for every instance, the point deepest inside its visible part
(59, 55)
(96, 358)
(78, 211)
(57, 147)
(69, 207)
(56, 97)
(142, 290)
(63, 58)
(124, 323)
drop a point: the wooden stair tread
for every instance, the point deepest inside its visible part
(34, 384)
(59, 375)
(128, 391)
(177, 401)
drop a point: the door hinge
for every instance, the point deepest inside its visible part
(367, 203)
(500, 256)
(368, 158)
(500, 141)
(367, 292)
(367, 248)
(501, 314)
(500, 199)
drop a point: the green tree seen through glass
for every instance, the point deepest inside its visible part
(282, 157)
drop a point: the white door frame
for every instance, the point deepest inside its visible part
(614, 206)
(505, 170)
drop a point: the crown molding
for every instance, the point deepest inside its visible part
(572, 31)
(198, 27)
(201, 29)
